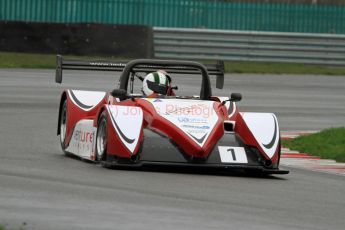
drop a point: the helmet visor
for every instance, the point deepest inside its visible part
(157, 88)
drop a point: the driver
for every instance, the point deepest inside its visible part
(156, 84)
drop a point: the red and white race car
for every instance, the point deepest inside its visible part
(120, 128)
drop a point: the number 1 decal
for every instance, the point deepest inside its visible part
(232, 155)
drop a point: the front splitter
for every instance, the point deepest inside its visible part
(227, 167)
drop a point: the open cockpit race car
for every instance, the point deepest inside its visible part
(123, 128)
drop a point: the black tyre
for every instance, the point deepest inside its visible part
(63, 124)
(101, 138)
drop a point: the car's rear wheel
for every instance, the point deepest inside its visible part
(63, 124)
(101, 138)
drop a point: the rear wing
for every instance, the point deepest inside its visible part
(62, 64)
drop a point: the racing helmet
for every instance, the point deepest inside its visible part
(156, 82)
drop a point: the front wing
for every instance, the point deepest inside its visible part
(229, 153)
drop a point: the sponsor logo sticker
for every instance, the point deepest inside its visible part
(194, 120)
(196, 127)
(83, 136)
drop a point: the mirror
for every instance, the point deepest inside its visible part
(120, 93)
(235, 97)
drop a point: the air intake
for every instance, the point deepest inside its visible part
(229, 126)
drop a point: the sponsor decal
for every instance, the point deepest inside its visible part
(201, 110)
(192, 120)
(197, 131)
(196, 127)
(83, 142)
(107, 64)
(83, 136)
(194, 117)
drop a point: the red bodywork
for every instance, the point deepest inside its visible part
(155, 122)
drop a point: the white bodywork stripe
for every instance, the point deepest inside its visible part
(265, 129)
(88, 98)
(127, 121)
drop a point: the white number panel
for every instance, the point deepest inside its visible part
(230, 154)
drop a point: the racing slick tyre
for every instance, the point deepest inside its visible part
(63, 125)
(101, 138)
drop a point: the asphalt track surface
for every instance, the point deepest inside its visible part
(40, 188)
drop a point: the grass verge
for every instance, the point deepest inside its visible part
(38, 61)
(5, 227)
(47, 61)
(328, 144)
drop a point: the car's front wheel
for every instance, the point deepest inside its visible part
(101, 138)
(63, 124)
